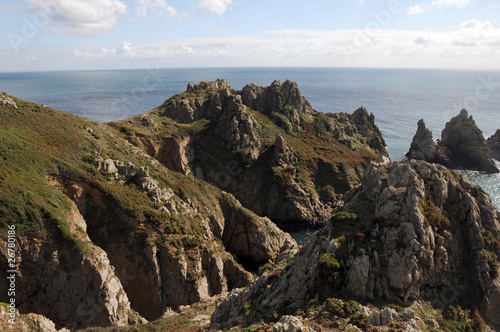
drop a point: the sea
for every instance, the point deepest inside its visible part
(397, 97)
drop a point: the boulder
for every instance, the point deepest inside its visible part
(387, 315)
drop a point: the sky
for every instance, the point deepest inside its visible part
(47, 35)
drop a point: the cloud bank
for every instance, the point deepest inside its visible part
(474, 44)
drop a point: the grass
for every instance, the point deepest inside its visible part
(433, 215)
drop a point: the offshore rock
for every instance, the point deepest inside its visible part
(494, 145)
(462, 145)
(423, 147)
(412, 231)
(465, 144)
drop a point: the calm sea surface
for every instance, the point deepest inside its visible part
(397, 97)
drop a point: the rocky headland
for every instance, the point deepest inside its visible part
(264, 144)
(177, 217)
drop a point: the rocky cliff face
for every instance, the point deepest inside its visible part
(411, 231)
(74, 289)
(462, 145)
(265, 145)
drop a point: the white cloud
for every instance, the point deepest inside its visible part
(159, 7)
(476, 25)
(417, 9)
(215, 7)
(80, 17)
(420, 9)
(452, 3)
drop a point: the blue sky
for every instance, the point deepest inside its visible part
(112, 34)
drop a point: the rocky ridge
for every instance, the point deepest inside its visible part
(412, 231)
(462, 145)
(264, 144)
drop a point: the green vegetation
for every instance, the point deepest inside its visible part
(433, 215)
(342, 217)
(491, 259)
(340, 308)
(328, 264)
(321, 123)
(247, 306)
(455, 319)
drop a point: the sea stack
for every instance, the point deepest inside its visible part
(462, 145)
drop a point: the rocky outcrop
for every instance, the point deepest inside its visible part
(462, 145)
(423, 217)
(238, 128)
(7, 101)
(281, 97)
(494, 145)
(411, 231)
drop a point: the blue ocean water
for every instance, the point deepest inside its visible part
(397, 97)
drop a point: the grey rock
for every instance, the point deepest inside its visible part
(290, 324)
(494, 145)
(108, 166)
(7, 101)
(127, 169)
(407, 314)
(431, 322)
(387, 315)
(411, 326)
(374, 319)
